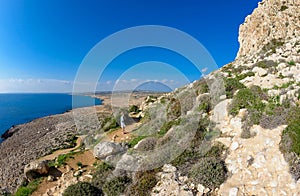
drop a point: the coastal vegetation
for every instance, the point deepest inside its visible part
(28, 188)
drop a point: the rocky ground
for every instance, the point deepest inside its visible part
(33, 140)
(30, 141)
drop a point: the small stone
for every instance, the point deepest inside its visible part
(77, 173)
(169, 168)
(50, 178)
(234, 146)
(233, 191)
(200, 188)
(206, 190)
(273, 184)
(222, 97)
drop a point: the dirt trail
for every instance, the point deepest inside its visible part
(118, 136)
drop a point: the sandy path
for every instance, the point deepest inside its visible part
(119, 136)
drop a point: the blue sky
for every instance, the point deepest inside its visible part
(43, 43)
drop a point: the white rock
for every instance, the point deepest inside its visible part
(206, 190)
(260, 71)
(233, 191)
(281, 66)
(259, 160)
(169, 168)
(234, 146)
(200, 188)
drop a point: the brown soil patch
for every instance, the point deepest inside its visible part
(118, 136)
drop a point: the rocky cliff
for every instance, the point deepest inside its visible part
(272, 20)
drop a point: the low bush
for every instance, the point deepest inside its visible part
(82, 189)
(143, 183)
(205, 104)
(245, 75)
(167, 126)
(293, 130)
(232, 85)
(283, 7)
(271, 46)
(133, 108)
(135, 140)
(173, 109)
(201, 87)
(291, 63)
(103, 170)
(109, 123)
(29, 188)
(116, 186)
(62, 159)
(290, 141)
(210, 172)
(245, 98)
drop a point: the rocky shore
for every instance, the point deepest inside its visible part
(30, 141)
(27, 142)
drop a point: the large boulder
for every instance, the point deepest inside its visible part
(104, 149)
(36, 169)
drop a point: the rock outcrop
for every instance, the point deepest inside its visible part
(272, 20)
(105, 149)
(36, 169)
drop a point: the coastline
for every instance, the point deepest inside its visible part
(45, 135)
(13, 129)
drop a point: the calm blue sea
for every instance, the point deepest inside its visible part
(21, 108)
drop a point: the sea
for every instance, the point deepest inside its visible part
(22, 108)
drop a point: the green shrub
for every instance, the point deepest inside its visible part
(210, 172)
(232, 85)
(29, 188)
(216, 151)
(290, 142)
(174, 109)
(263, 95)
(135, 140)
(283, 7)
(146, 117)
(292, 63)
(167, 126)
(245, 98)
(205, 104)
(79, 164)
(109, 123)
(245, 75)
(82, 189)
(133, 108)
(103, 170)
(272, 45)
(116, 186)
(62, 159)
(201, 87)
(143, 184)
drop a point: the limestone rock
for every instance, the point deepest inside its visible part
(276, 19)
(36, 169)
(233, 191)
(104, 149)
(170, 183)
(260, 71)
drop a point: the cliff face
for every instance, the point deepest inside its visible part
(272, 20)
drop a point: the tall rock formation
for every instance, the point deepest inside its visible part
(272, 20)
